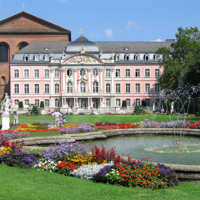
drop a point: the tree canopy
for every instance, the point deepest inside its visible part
(182, 60)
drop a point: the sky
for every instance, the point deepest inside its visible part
(112, 20)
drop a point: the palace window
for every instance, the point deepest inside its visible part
(83, 87)
(69, 72)
(147, 73)
(57, 74)
(37, 89)
(108, 73)
(95, 72)
(46, 102)
(26, 73)
(135, 58)
(69, 87)
(126, 57)
(46, 73)
(157, 73)
(137, 102)
(108, 102)
(137, 73)
(36, 74)
(82, 72)
(128, 102)
(128, 87)
(37, 102)
(128, 73)
(147, 88)
(46, 89)
(108, 88)
(147, 102)
(16, 88)
(146, 57)
(16, 73)
(137, 88)
(57, 88)
(117, 73)
(95, 87)
(118, 102)
(26, 102)
(26, 89)
(118, 88)
(16, 101)
(157, 88)
(57, 103)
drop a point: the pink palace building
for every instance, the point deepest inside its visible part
(85, 76)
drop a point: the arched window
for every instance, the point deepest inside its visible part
(69, 87)
(3, 80)
(21, 45)
(95, 87)
(69, 72)
(83, 87)
(82, 72)
(107, 87)
(4, 52)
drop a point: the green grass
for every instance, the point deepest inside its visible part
(23, 184)
(91, 119)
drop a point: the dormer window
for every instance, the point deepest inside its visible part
(135, 58)
(146, 57)
(25, 58)
(126, 57)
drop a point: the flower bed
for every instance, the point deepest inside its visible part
(100, 165)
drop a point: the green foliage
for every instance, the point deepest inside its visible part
(20, 104)
(138, 110)
(182, 60)
(34, 110)
(42, 104)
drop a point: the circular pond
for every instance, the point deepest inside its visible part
(163, 149)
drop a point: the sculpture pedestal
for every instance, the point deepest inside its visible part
(5, 121)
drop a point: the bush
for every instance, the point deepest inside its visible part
(20, 104)
(138, 110)
(42, 104)
(34, 110)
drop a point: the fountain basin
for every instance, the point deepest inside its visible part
(184, 171)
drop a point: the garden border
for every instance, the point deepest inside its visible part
(184, 172)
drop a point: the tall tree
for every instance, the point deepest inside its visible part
(182, 60)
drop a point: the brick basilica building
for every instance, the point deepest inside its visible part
(18, 31)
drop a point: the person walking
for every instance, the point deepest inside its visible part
(56, 116)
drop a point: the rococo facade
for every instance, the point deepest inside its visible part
(85, 76)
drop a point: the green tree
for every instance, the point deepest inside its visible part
(182, 60)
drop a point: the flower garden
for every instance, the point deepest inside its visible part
(98, 165)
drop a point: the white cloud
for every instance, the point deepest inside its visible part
(108, 32)
(157, 40)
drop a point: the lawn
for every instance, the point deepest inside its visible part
(91, 119)
(23, 184)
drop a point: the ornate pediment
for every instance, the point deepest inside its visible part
(81, 59)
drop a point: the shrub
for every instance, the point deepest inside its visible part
(42, 104)
(20, 104)
(138, 110)
(34, 110)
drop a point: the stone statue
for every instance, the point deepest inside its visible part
(5, 109)
(172, 107)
